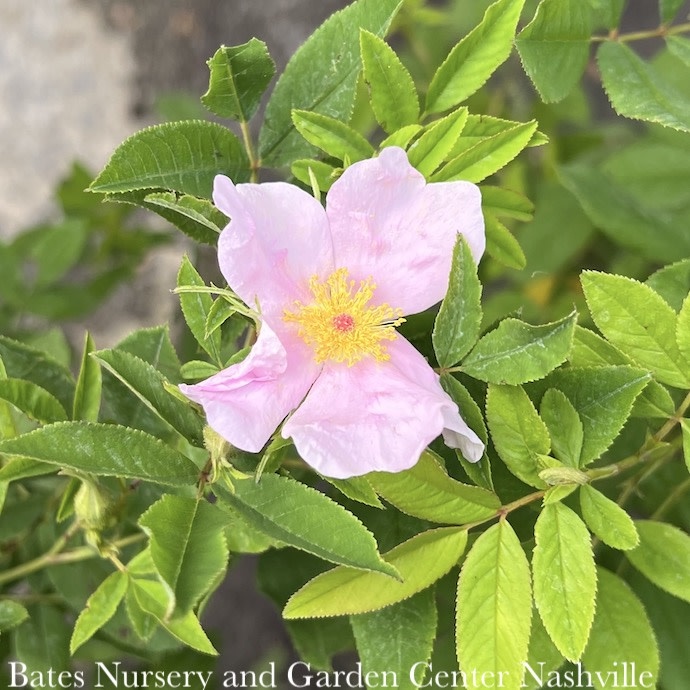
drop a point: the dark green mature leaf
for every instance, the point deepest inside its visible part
(299, 516)
(104, 449)
(186, 211)
(608, 12)
(494, 608)
(501, 245)
(554, 47)
(396, 638)
(239, 76)
(603, 398)
(663, 556)
(154, 346)
(144, 381)
(332, 136)
(421, 561)
(12, 614)
(672, 283)
(331, 61)
(668, 9)
(621, 630)
(21, 468)
(358, 489)
(518, 433)
(505, 202)
(564, 425)
(475, 58)
(543, 656)
(607, 520)
(392, 92)
(639, 91)
(42, 642)
(565, 579)
(87, 395)
(187, 545)
(517, 352)
(433, 147)
(178, 156)
(426, 491)
(638, 321)
(456, 328)
(32, 400)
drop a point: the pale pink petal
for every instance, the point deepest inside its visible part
(371, 416)
(277, 239)
(246, 402)
(387, 223)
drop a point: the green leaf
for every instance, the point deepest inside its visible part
(456, 328)
(663, 557)
(154, 346)
(621, 630)
(433, 147)
(87, 395)
(543, 656)
(565, 578)
(239, 76)
(32, 400)
(402, 137)
(608, 12)
(517, 352)
(685, 429)
(325, 173)
(672, 282)
(142, 379)
(564, 425)
(494, 609)
(488, 155)
(358, 489)
(680, 47)
(668, 9)
(198, 218)
(505, 202)
(100, 608)
(42, 642)
(12, 614)
(195, 308)
(683, 333)
(501, 245)
(638, 91)
(187, 545)
(392, 93)
(105, 449)
(178, 156)
(518, 433)
(396, 638)
(299, 516)
(56, 249)
(638, 321)
(426, 491)
(603, 398)
(607, 520)
(22, 468)
(475, 58)
(332, 136)
(331, 58)
(554, 47)
(421, 561)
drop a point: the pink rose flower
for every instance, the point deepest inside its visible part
(331, 286)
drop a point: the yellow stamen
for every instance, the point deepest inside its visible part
(340, 325)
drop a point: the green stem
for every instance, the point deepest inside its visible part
(254, 162)
(659, 32)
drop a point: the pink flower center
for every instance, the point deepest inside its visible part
(343, 323)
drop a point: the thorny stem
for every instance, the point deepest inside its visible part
(659, 32)
(254, 162)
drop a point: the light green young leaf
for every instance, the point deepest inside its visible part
(32, 400)
(196, 370)
(501, 245)
(239, 76)
(178, 156)
(195, 308)
(433, 147)
(300, 516)
(621, 630)
(456, 328)
(505, 202)
(342, 591)
(105, 449)
(147, 384)
(518, 433)
(332, 136)
(683, 334)
(87, 395)
(668, 9)
(200, 212)
(481, 127)
(680, 47)
(554, 47)
(99, 609)
(397, 637)
(564, 425)
(22, 468)
(685, 428)
(221, 310)
(488, 155)
(607, 520)
(426, 491)
(12, 614)
(331, 58)
(392, 93)
(475, 58)
(402, 137)
(358, 489)
(603, 398)
(517, 352)
(565, 578)
(663, 557)
(543, 656)
(494, 610)
(638, 321)
(325, 173)
(187, 545)
(638, 91)
(672, 282)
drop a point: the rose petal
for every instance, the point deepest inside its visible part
(372, 416)
(246, 402)
(277, 239)
(389, 224)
